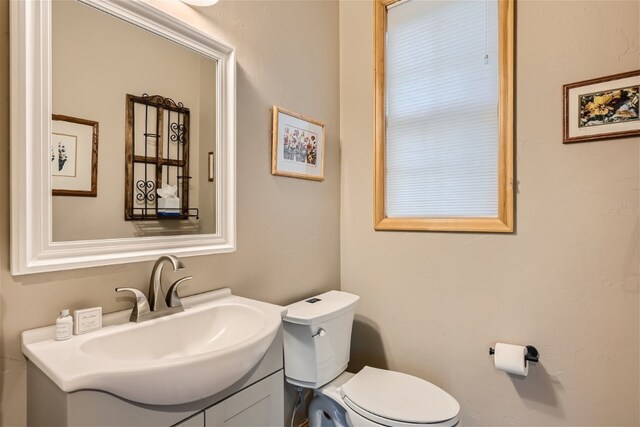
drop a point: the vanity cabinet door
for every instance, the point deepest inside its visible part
(259, 405)
(195, 421)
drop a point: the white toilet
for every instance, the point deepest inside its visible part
(317, 341)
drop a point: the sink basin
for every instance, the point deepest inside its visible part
(175, 359)
(219, 327)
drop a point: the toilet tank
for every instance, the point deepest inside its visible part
(317, 338)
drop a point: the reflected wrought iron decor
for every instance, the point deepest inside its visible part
(157, 159)
(146, 191)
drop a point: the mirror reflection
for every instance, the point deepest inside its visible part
(133, 130)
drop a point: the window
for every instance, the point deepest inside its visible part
(444, 115)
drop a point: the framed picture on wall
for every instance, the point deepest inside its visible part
(297, 145)
(602, 108)
(74, 156)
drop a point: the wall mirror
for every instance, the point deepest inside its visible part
(122, 136)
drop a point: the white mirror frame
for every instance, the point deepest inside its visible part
(32, 248)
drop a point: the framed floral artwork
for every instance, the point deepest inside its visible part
(297, 146)
(74, 156)
(602, 108)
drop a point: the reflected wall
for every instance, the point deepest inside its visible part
(97, 60)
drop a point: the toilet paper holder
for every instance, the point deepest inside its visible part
(531, 356)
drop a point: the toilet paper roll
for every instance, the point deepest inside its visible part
(510, 358)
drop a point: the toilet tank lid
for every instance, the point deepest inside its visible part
(319, 308)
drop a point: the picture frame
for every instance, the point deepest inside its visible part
(602, 108)
(74, 156)
(297, 145)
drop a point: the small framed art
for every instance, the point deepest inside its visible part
(74, 156)
(602, 108)
(297, 145)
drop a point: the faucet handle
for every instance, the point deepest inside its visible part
(173, 300)
(142, 305)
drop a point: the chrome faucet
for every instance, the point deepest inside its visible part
(158, 305)
(156, 295)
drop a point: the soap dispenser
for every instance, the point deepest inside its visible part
(64, 326)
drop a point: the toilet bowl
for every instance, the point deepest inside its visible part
(377, 397)
(317, 341)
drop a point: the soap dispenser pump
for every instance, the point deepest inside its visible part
(64, 326)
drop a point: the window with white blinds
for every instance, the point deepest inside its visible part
(443, 110)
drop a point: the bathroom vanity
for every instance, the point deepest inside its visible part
(257, 400)
(222, 366)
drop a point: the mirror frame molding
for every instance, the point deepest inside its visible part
(32, 248)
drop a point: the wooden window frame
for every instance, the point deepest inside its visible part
(503, 223)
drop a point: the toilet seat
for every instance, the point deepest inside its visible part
(395, 399)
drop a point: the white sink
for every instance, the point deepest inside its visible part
(175, 359)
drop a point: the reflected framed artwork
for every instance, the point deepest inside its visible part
(74, 156)
(602, 108)
(297, 145)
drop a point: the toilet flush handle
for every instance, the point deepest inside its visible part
(319, 333)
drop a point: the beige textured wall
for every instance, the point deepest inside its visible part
(565, 281)
(288, 229)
